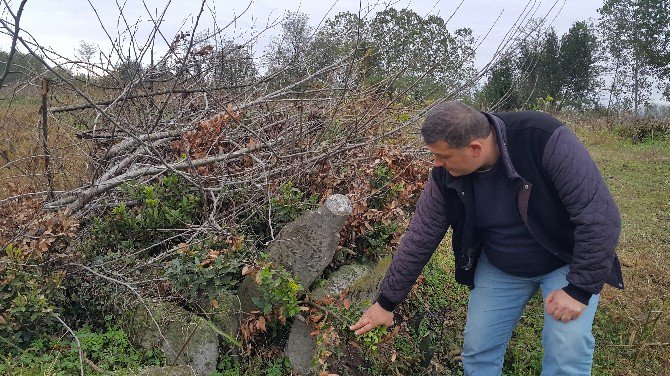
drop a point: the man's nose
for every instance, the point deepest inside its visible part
(437, 162)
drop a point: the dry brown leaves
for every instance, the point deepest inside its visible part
(25, 226)
(208, 139)
(353, 178)
(253, 325)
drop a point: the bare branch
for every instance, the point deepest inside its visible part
(15, 36)
(81, 353)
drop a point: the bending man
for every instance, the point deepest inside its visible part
(529, 210)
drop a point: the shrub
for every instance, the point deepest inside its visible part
(279, 291)
(285, 205)
(110, 351)
(644, 129)
(35, 246)
(159, 209)
(27, 300)
(384, 188)
(202, 270)
(289, 203)
(375, 242)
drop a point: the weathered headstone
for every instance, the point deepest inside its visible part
(186, 339)
(305, 246)
(301, 349)
(366, 287)
(224, 312)
(362, 282)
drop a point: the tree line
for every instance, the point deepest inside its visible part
(615, 63)
(624, 55)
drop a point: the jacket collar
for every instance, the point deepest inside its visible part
(501, 136)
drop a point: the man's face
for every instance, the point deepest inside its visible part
(458, 161)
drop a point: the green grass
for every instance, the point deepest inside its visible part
(638, 174)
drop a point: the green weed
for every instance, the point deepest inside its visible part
(109, 351)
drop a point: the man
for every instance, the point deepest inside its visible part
(529, 210)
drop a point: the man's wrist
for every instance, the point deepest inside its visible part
(385, 303)
(578, 294)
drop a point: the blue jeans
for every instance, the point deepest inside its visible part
(495, 307)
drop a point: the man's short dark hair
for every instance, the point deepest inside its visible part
(454, 122)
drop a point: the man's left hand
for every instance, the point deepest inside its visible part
(562, 306)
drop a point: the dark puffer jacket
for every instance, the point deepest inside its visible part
(562, 198)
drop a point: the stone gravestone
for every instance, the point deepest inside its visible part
(184, 335)
(362, 282)
(305, 246)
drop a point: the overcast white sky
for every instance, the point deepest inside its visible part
(62, 24)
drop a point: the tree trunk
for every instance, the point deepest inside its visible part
(636, 86)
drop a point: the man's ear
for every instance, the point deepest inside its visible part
(476, 148)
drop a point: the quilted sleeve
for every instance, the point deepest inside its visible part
(428, 226)
(583, 191)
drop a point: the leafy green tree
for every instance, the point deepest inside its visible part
(343, 35)
(500, 91)
(537, 69)
(426, 59)
(128, 71)
(232, 65)
(23, 67)
(637, 36)
(577, 63)
(287, 58)
(402, 52)
(543, 70)
(525, 57)
(550, 76)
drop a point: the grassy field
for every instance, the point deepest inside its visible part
(632, 327)
(22, 151)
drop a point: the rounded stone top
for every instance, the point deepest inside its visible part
(338, 205)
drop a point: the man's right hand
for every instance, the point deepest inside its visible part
(372, 318)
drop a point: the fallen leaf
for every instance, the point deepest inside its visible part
(247, 270)
(316, 318)
(206, 262)
(260, 324)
